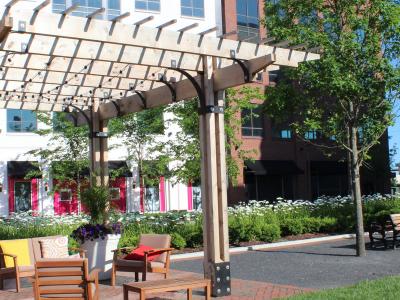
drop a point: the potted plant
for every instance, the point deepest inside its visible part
(99, 237)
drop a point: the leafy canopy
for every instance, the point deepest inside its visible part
(357, 79)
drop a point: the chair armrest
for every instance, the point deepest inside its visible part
(6, 254)
(14, 257)
(81, 252)
(94, 275)
(159, 250)
(124, 248)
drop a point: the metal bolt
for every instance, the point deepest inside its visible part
(218, 279)
(219, 291)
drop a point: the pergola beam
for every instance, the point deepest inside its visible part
(99, 31)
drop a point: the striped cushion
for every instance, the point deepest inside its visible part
(54, 248)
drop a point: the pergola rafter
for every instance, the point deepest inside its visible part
(105, 69)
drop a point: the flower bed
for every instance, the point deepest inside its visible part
(254, 221)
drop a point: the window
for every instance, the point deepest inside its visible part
(192, 8)
(19, 120)
(310, 135)
(248, 20)
(285, 134)
(85, 7)
(252, 122)
(65, 195)
(153, 5)
(114, 193)
(58, 121)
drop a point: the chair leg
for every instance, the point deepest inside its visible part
(136, 276)
(17, 284)
(144, 276)
(1, 283)
(113, 275)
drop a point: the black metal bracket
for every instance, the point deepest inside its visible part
(211, 109)
(88, 121)
(221, 279)
(245, 69)
(171, 88)
(117, 107)
(196, 85)
(142, 98)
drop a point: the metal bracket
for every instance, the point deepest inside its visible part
(171, 88)
(221, 279)
(88, 121)
(196, 85)
(142, 98)
(117, 107)
(211, 109)
(245, 69)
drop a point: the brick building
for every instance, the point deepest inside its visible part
(285, 165)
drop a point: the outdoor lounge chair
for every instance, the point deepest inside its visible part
(65, 279)
(395, 222)
(161, 244)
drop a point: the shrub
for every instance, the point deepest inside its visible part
(177, 241)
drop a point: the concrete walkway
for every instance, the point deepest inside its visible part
(317, 266)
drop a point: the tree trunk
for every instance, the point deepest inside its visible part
(356, 193)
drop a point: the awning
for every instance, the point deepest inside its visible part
(272, 167)
(328, 168)
(19, 169)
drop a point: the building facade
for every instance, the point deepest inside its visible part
(285, 165)
(17, 127)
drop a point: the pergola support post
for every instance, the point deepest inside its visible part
(98, 149)
(214, 185)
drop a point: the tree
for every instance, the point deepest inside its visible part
(139, 133)
(184, 148)
(347, 95)
(67, 152)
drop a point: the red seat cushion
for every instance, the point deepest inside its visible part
(138, 253)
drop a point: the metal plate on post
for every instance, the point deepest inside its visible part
(221, 281)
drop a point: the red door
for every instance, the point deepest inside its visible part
(66, 199)
(23, 194)
(118, 193)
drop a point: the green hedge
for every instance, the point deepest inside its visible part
(247, 223)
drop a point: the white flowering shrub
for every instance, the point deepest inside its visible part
(252, 221)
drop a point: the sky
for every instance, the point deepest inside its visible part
(394, 138)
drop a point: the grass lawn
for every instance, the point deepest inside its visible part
(381, 289)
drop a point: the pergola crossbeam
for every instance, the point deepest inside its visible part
(69, 10)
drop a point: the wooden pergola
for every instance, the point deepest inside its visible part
(98, 70)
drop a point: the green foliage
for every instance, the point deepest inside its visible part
(354, 83)
(185, 146)
(67, 151)
(385, 288)
(177, 241)
(96, 199)
(137, 133)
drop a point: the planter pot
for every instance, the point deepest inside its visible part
(100, 255)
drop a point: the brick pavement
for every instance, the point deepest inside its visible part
(241, 289)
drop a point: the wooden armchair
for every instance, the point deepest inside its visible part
(395, 222)
(161, 244)
(65, 279)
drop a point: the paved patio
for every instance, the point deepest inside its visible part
(272, 274)
(318, 266)
(242, 289)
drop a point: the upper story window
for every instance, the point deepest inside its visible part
(192, 8)
(311, 135)
(252, 122)
(21, 120)
(248, 20)
(284, 134)
(85, 7)
(153, 5)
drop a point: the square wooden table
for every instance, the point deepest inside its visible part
(167, 285)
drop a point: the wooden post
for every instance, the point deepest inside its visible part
(213, 185)
(98, 150)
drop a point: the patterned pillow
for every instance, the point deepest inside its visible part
(54, 248)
